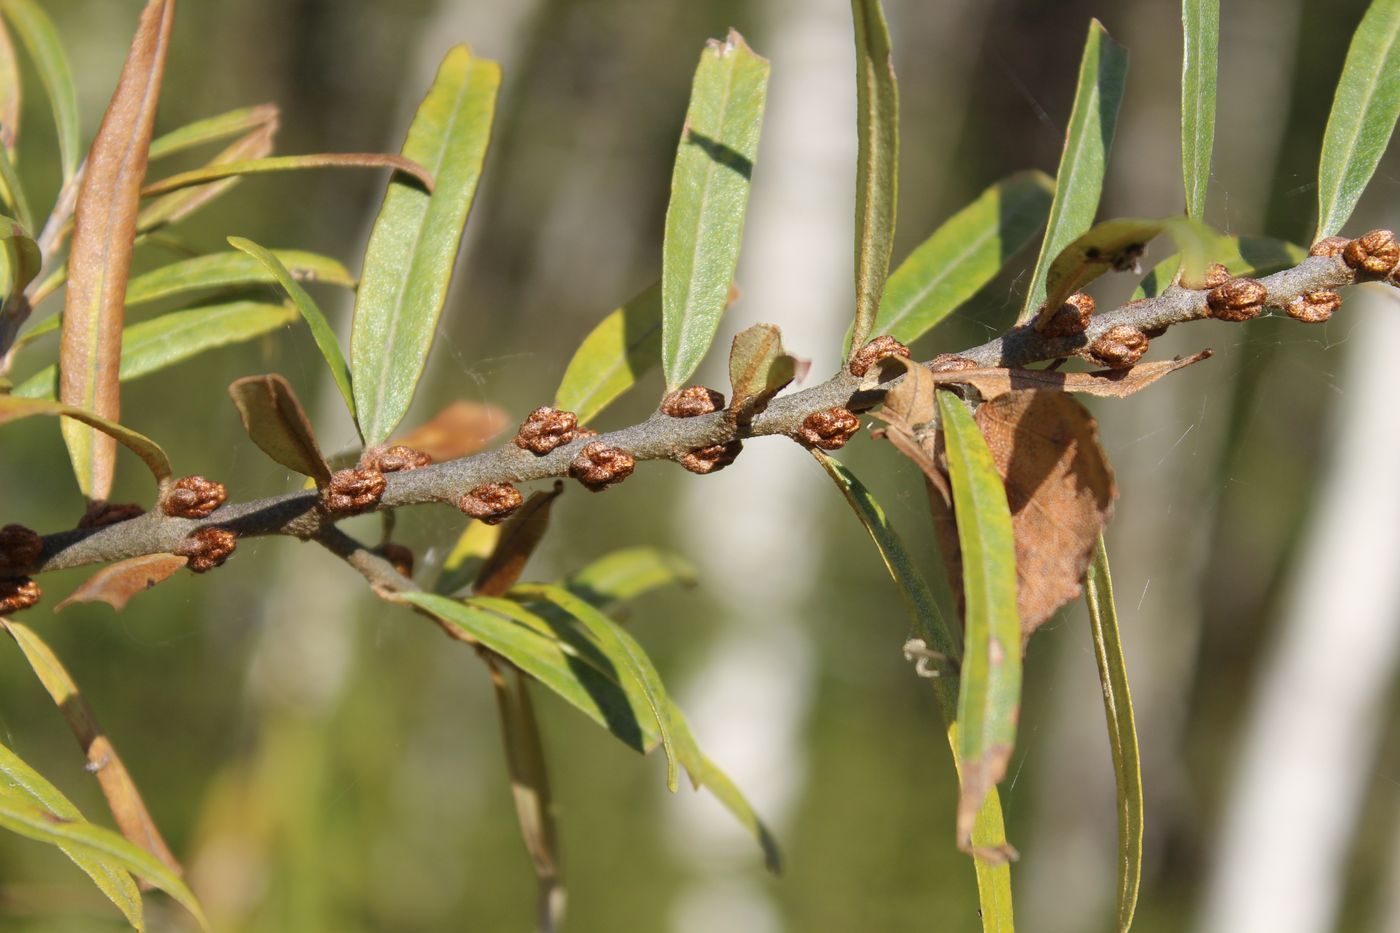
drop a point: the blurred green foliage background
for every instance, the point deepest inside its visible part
(323, 762)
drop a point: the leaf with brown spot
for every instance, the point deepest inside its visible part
(128, 809)
(520, 535)
(116, 584)
(459, 430)
(759, 367)
(1060, 489)
(100, 257)
(276, 422)
(1105, 383)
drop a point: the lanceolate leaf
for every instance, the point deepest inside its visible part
(177, 205)
(213, 129)
(12, 192)
(709, 197)
(12, 408)
(626, 574)
(1079, 181)
(877, 161)
(276, 422)
(23, 783)
(100, 256)
(989, 696)
(232, 270)
(289, 163)
(1200, 30)
(10, 95)
(116, 583)
(128, 809)
(1363, 116)
(40, 39)
(620, 350)
(86, 839)
(320, 328)
(759, 367)
(163, 341)
(413, 247)
(1122, 731)
(963, 255)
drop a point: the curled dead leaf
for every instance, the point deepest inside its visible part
(117, 583)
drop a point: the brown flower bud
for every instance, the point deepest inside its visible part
(1237, 300)
(491, 503)
(545, 429)
(599, 466)
(1070, 318)
(399, 556)
(102, 514)
(352, 491)
(704, 460)
(193, 497)
(207, 548)
(1329, 246)
(395, 459)
(1375, 253)
(1216, 275)
(691, 402)
(19, 546)
(1120, 347)
(828, 429)
(881, 348)
(18, 593)
(1314, 307)
(948, 362)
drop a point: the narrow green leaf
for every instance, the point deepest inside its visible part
(163, 341)
(709, 775)
(13, 408)
(963, 255)
(276, 422)
(464, 562)
(213, 129)
(877, 161)
(1103, 71)
(288, 163)
(625, 574)
(232, 270)
(1122, 731)
(22, 257)
(1200, 30)
(321, 329)
(1363, 116)
(989, 697)
(624, 652)
(40, 39)
(36, 822)
(11, 94)
(12, 192)
(759, 368)
(175, 206)
(709, 198)
(22, 782)
(620, 350)
(413, 247)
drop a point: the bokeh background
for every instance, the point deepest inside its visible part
(323, 762)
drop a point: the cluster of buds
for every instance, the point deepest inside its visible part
(351, 492)
(18, 593)
(1314, 307)
(691, 402)
(599, 466)
(1237, 299)
(1070, 318)
(1119, 347)
(193, 497)
(709, 459)
(1375, 253)
(491, 503)
(207, 548)
(546, 428)
(828, 429)
(881, 348)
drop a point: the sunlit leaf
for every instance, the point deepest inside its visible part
(625, 574)
(13, 408)
(1119, 244)
(1079, 181)
(1122, 731)
(321, 330)
(163, 341)
(213, 129)
(963, 255)
(989, 697)
(232, 270)
(877, 161)
(759, 368)
(128, 809)
(413, 247)
(100, 257)
(709, 198)
(116, 583)
(1363, 116)
(620, 350)
(1200, 30)
(40, 40)
(1252, 256)
(22, 782)
(276, 422)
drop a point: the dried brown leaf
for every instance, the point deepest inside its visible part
(1106, 383)
(276, 422)
(459, 430)
(520, 535)
(1060, 489)
(100, 257)
(116, 584)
